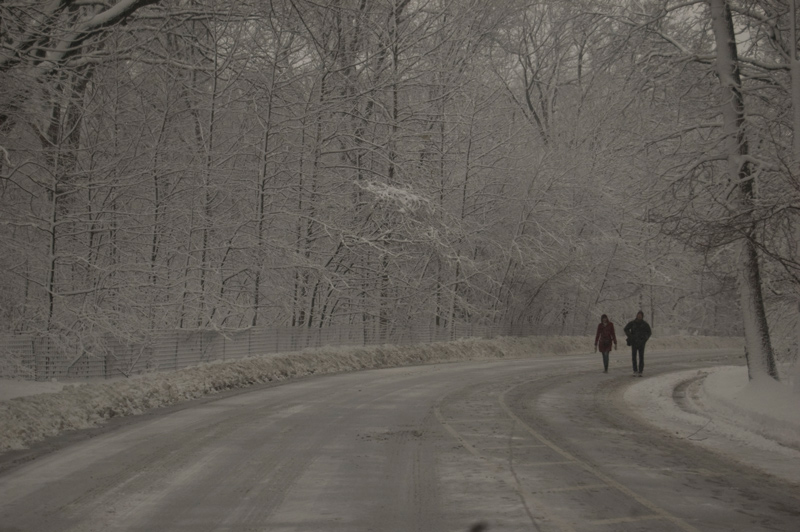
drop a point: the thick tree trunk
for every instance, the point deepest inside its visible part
(760, 357)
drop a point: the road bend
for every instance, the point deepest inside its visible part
(544, 444)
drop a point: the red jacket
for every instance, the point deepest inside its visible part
(604, 337)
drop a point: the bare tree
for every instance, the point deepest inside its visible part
(378, 163)
(718, 188)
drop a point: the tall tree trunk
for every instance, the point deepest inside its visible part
(207, 199)
(262, 193)
(62, 139)
(760, 357)
(794, 66)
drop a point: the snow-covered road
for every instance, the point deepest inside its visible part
(539, 444)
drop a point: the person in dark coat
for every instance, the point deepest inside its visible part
(604, 338)
(638, 332)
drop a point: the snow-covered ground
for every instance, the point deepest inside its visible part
(758, 422)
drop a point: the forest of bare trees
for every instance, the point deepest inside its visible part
(224, 165)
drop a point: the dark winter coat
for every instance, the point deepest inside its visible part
(604, 337)
(638, 332)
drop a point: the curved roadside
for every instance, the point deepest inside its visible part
(30, 419)
(757, 424)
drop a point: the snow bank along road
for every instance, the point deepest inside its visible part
(541, 444)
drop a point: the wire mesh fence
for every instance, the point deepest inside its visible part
(46, 358)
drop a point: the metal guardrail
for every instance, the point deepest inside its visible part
(43, 358)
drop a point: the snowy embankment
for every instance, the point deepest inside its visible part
(755, 422)
(31, 418)
(772, 408)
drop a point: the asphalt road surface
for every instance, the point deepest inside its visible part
(511, 445)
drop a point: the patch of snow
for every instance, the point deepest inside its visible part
(11, 388)
(755, 422)
(766, 407)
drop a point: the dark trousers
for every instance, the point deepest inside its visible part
(640, 350)
(605, 360)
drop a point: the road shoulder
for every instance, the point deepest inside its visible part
(700, 406)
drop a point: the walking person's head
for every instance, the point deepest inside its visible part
(640, 315)
(604, 319)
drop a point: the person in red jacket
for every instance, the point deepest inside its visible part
(604, 338)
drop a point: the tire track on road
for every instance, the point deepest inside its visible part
(604, 479)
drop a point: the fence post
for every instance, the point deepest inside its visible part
(177, 339)
(35, 360)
